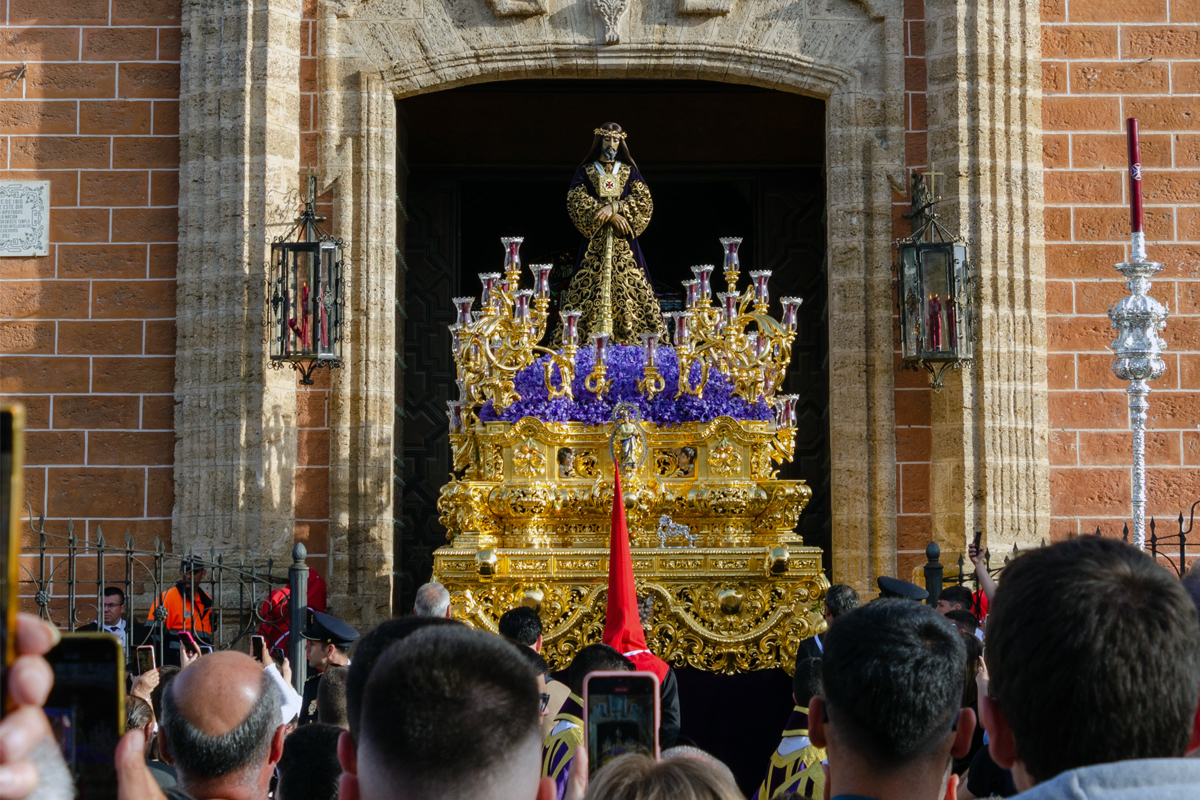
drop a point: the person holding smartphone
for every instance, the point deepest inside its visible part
(188, 607)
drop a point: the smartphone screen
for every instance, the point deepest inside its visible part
(278, 655)
(86, 709)
(258, 646)
(12, 417)
(145, 659)
(620, 715)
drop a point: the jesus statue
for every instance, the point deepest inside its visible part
(610, 205)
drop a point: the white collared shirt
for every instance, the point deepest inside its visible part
(118, 630)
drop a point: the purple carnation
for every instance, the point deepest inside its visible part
(625, 364)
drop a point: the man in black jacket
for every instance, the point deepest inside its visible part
(131, 632)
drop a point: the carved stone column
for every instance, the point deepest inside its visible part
(360, 163)
(235, 454)
(990, 425)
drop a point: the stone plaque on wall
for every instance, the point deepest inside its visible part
(24, 218)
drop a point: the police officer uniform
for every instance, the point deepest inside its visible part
(324, 629)
(894, 588)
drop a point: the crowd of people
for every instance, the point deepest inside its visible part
(1078, 676)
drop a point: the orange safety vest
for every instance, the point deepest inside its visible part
(181, 614)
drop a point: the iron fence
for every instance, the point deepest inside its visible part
(1169, 548)
(64, 577)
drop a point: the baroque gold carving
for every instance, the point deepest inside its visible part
(724, 460)
(529, 461)
(716, 622)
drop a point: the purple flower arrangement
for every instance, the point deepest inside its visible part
(625, 365)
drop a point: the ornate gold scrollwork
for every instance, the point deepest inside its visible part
(716, 622)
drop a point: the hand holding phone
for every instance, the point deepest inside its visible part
(620, 715)
(86, 709)
(146, 662)
(189, 651)
(258, 649)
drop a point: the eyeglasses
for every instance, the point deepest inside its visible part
(545, 702)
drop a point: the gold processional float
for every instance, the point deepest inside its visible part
(695, 425)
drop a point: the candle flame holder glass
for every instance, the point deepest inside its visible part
(463, 304)
(732, 264)
(489, 281)
(729, 306)
(521, 310)
(541, 279)
(571, 328)
(512, 252)
(703, 274)
(693, 292)
(762, 294)
(791, 305)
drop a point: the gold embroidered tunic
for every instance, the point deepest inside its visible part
(633, 305)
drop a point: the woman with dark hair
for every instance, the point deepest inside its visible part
(610, 204)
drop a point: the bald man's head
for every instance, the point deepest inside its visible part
(219, 716)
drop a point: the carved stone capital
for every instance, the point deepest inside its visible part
(610, 13)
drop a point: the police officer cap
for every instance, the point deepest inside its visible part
(894, 587)
(328, 628)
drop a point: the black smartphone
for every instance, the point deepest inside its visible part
(620, 715)
(978, 538)
(145, 659)
(12, 428)
(205, 649)
(188, 642)
(278, 654)
(86, 709)
(258, 647)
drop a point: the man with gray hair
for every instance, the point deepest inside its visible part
(432, 601)
(220, 728)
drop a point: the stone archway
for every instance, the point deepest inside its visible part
(239, 144)
(835, 57)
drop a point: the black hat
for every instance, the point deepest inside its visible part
(191, 564)
(894, 587)
(328, 628)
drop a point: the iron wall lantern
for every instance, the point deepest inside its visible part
(305, 303)
(934, 290)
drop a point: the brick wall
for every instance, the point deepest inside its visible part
(89, 101)
(1105, 60)
(913, 425)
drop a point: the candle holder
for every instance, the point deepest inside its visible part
(541, 279)
(732, 264)
(762, 296)
(463, 304)
(693, 292)
(651, 383)
(595, 382)
(521, 307)
(790, 306)
(490, 300)
(1138, 348)
(703, 274)
(512, 255)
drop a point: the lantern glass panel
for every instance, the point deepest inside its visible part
(963, 309)
(937, 313)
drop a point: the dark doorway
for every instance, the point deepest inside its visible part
(496, 159)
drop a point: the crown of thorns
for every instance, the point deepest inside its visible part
(614, 134)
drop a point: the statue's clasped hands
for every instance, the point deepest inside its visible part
(607, 214)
